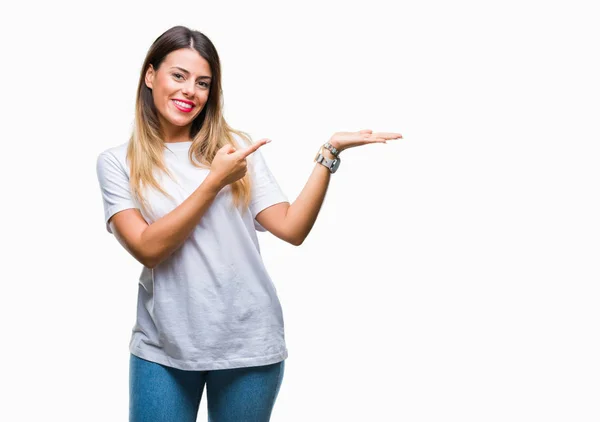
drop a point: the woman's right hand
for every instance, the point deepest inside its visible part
(230, 165)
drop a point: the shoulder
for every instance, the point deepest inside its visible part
(113, 158)
(116, 153)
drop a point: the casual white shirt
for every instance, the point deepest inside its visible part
(211, 304)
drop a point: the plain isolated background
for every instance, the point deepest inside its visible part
(450, 276)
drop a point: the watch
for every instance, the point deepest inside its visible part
(331, 148)
(331, 164)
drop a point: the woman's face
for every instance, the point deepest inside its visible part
(180, 87)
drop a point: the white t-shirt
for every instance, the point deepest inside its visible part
(211, 304)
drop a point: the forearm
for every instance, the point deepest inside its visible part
(302, 213)
(168, 233)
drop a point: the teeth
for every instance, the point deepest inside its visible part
(179, 103)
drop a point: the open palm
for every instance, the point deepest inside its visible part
(345, 140)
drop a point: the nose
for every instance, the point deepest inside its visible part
(188, 88)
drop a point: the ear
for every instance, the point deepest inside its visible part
(149, 77)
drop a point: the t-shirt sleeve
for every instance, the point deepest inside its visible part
(114, 185)
(265, 189)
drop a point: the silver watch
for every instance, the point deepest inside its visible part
(331, 164)
(331, 148)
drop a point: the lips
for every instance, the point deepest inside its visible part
(183, 105)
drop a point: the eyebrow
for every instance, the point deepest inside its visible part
(187, 73)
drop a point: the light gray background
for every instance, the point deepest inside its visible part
(451, 276)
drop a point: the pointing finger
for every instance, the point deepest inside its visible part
(249, 150)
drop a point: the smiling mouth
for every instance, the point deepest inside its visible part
(185, 107)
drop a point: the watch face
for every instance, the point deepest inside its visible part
(335, 165)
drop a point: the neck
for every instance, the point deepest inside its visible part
(172, 133)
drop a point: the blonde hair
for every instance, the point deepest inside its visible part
(209, 131)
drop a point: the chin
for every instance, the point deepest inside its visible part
(180, 122)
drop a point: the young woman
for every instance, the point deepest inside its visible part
(185, 196)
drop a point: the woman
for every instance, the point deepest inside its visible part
(185, 197)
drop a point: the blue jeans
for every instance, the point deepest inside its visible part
(158, 393)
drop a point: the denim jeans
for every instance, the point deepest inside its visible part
(158, 393)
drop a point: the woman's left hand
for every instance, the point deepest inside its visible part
(345, 140)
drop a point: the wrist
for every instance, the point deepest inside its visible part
(331, 150)
(336, 145)
(212, 183)
(327, 154)
(329, 157)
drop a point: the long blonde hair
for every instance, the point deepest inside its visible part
(209, 131)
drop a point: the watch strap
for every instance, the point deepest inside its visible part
(331, 148)
(331, 163)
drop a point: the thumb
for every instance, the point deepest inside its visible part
(227, 149)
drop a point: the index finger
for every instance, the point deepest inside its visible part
(249, 150)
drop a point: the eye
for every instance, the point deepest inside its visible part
(178, 75)
(204, 83)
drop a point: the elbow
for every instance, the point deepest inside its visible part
(297, 241)
(154, 257)
(151, 255)
(152, 260)
(297, 237)
(146, 260)
(148, 263)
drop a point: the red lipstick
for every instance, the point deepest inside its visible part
(183, 108)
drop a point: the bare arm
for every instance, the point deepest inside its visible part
(152, 244)
(168, 233)
(294, 222)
